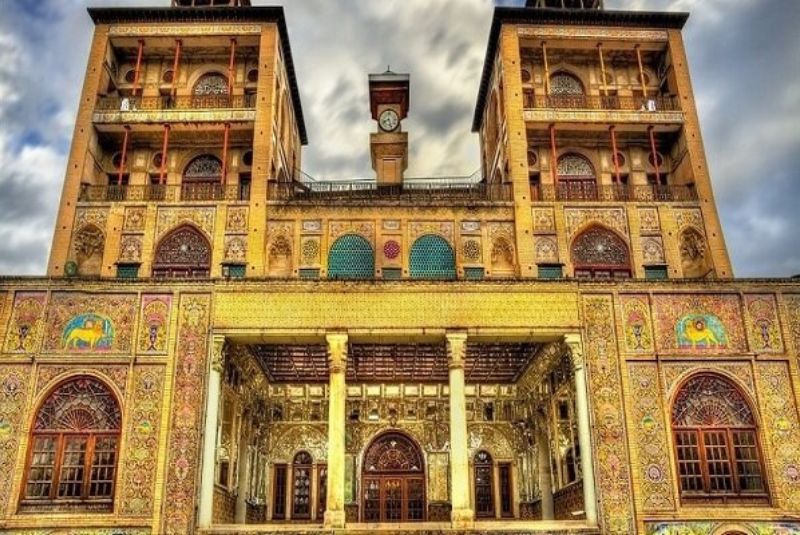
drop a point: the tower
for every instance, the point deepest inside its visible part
(566, 4)
(389, 102)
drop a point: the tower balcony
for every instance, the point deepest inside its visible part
(164, 193)
(590, 191)
(598, 109)
(167, 109)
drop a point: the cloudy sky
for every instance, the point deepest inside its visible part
(744, 54)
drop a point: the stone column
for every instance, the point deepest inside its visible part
(337, 360)
(462, 517)
(243, 475)
(545, 476)
(575, 345)
(205, 507)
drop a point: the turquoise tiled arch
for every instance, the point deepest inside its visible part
(351, 257)
(432, 258)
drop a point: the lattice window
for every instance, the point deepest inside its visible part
(432, 258)
(565, 84)
(204, 168)
(183, 253)
(575, 166)
(484, 487)
(211, 84)
(393, 453)
(600, 253)
(72, 459)
(351, 257)
(716, 442)
(301, 486)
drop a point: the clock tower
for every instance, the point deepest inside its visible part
(388, 99)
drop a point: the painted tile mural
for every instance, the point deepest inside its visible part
(779, 415)
(90, 323)
(698, 323)
(26, 325)
(763, 327)
(793, 311)
(14, 389)
(184, 441)
(154, 323)
(650, 433)
(613, 465)
(638, 333)
(142, 435)
(715, 528)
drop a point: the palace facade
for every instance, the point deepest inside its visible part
(556, 345)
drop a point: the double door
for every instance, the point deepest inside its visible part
(394, 498)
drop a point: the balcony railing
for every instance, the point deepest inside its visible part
(192, 102)
(582, 191)
(165, 193)
(415, 193)
(595, 102)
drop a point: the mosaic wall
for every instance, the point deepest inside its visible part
(154, 324)
(14, 391)
(81, 322)
(705, 323)
(780, 428)
(613, 475)
(48, 375)
(26, 325)
(718, 528)
(142, 438)
(649, 432)
(636, 329)
(763, 328)
(187, 401)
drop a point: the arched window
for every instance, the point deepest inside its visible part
(599, 253)
(211, 84)
(202, 178)
(393, 480)
(564, 84)
(301, 486)
(576, 178)
(183, 253)
(351, 257)
(484, 485)
(716, 442)
(72, 457)
(432, 258)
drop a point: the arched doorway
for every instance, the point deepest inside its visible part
(393, 480)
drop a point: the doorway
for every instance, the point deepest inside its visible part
(393, 480)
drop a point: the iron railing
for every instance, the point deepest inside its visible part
(430, 192)
(582, 191)
(164, 193)
(191, 102)
(595, 102)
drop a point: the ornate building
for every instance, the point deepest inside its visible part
(557, 345)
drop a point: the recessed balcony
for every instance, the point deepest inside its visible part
(590, 191)
(196, 108)
(602, 109)
(203, 192)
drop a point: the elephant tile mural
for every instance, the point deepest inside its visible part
(26, 325)
(84, 323)
(705, 323)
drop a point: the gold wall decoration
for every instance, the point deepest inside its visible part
(134, 218)
(578, 32)
(14, 392)
(649, 220)
(441, 228)
(580, 218)
(236, 220)
(25, 329)
(182, 30)
(200, 217)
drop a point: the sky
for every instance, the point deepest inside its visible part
(744, 56)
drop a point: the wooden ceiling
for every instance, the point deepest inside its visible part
(395, 363)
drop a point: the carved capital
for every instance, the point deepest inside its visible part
(337, 352)
(574, 344)
(217, 353)
(456, 349)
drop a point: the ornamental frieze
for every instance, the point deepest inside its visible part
(204, 30)
(170, 116)
(577, 32)
(605, 116)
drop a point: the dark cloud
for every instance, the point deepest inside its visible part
(745, 58)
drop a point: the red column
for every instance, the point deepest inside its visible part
(163, 173)
(553, 155)
(613, 130)
(232, 67)
(175, 66)
(226, 136)
(654, 152)
(138, 69)
(121, 169)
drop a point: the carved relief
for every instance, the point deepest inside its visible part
(87, 249)
(200, 217)
(544, 220)
(546, 250)
(649, 220)
(235, 248)
(695, 257)
(578, 218)
(363, 228)
(236, 221)
(310, 249)
(471, 251)
(442, 228)
(503, 261)
(130, 249)
(653, 250)
(134, 219)
(280, 256)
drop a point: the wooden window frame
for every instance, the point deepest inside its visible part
(309, 468)
(490, 465)
(508, 488)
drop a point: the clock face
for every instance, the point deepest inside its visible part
(388, 120)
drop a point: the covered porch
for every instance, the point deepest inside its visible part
(448, 431)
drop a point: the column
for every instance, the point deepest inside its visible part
(463, 517)
(337, 395)
(545, 476)
(243, 473)
(575, 345)
(205, 507)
